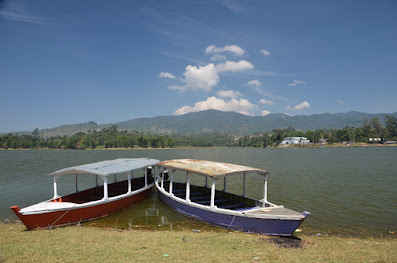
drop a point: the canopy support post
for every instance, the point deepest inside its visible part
(55, 188)
(171, 180)
(162, 178)
(224, 184)
(213, 193)
(187, 187)
(105, 188)
(265, 192)
(206, 182)
(129, 181)
(156, 176)
(244, 186)
(115, 178)
(77, 188)
(145, 177)
(96, 180)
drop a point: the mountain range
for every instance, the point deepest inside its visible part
(225, 122)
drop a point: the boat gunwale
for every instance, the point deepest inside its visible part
(229, 211)
(83, 205)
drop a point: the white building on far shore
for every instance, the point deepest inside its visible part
(295, 140)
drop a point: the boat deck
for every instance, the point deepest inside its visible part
(202, 196)
(276, 210)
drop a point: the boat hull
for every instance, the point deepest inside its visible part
(79, 214)
(279, 227)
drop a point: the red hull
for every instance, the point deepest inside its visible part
(76, 215)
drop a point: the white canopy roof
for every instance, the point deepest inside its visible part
(108, 167)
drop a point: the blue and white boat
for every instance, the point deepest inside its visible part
(219, 207)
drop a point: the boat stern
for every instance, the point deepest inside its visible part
(305, 214)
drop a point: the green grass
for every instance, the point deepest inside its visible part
(89, 244)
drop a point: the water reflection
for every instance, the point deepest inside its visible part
(151, 214)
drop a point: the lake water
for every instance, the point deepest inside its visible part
(345, 189)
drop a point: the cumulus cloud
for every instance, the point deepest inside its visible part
(238, 105)
(254, 82)
(266, 102)
(206, 77)
(265, 112)
(198, 78)
(234, 66)
(296, 82)
(235, 50)
(229, 94)
(203, 77)
(300, 106)
(265, 52)
(166, 75)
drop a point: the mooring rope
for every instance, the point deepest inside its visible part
(184, 239)
(50, 226)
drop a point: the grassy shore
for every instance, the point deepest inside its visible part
(88, 244)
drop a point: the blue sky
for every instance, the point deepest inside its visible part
(67, 62)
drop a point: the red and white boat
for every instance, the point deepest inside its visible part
(95, 202)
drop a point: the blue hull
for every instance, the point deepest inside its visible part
(262, 226)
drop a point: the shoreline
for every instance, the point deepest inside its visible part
(82, 244)
(361, 234)
(308, 146)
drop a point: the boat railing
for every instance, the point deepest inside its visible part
(202, 196)
(97, 193)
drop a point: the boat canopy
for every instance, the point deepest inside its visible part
(215, 170)
(106, 168)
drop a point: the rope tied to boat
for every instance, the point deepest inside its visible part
(184, 239)
(70, 208)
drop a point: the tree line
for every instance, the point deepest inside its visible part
(370, 129)
(113, 138)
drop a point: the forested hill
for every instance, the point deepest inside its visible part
(225, 122)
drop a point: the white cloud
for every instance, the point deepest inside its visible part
(265, 112)
(217, 57)
(266, 102)
(234, 66)
(300, 106)
(198, 78)
(265, 52)
(166, 75)
(178, 88)
(229, 94)
(238, 105)
(206, 77)
(254, 82)
(235, 50)
(203, 77)
(296, 82)
(340, 102)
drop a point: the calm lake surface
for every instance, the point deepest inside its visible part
(345, 189)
